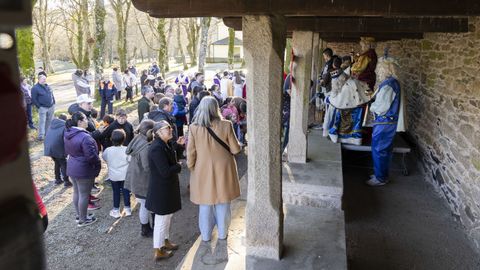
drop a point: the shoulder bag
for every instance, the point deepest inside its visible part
(222, 143)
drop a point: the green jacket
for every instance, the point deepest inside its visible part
(143, 107)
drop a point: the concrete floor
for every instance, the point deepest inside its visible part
(403, 225)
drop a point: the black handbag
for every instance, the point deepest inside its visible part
(222, 143)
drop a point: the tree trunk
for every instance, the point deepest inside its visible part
(122, 20)
(231, 45)
(162, 52)
(47, 65)
(180, 47)
(99, 50)
(205, 25)
(192, 34)
(169, 37)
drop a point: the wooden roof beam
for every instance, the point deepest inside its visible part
(238, 8)
(365, 24)
(355, 37)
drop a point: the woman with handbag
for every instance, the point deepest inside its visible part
(163, 195)
(211, 147)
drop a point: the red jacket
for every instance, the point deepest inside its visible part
(41, 207)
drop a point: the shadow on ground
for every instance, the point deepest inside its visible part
(115, 244)
(402, 225)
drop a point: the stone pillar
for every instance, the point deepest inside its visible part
(264, 39)
(302, 44)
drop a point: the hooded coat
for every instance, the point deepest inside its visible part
(104, 137)
(138, 169)
(54, 146)
(162, 115)
(83, 161)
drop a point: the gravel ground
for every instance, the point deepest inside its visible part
(109, 243)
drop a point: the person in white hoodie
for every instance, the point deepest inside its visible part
(117, 163)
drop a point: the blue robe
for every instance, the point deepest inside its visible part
(384, 130)
(346, 126)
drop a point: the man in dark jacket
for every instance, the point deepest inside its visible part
(85, 105)
(145, 102)
(54, 147)
(107, 91)
(164, 113)
(119, 123)
(195, 102)
(43, 99)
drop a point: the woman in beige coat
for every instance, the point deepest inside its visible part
(214, 176)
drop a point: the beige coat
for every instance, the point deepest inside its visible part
(213, 171)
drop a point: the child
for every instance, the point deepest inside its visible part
(117, 163)
(94, 115)
(54, 147)
(180, 110)
(107, 120)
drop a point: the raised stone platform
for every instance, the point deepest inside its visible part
(319, 182)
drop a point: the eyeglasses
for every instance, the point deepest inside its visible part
(165, 127)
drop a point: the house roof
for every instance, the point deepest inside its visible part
(237, 42)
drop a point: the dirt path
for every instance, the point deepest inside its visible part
(109, 244)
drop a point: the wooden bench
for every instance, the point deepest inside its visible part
(400, 146)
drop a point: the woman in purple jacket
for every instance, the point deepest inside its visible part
(83, 164)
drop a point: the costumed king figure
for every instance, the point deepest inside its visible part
(387, 109)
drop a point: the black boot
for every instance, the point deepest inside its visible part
(146, 230)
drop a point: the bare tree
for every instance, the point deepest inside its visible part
(157, 28)
(180, 47)
(192, 27)
(99, 51)
(76, 22)
(205, 24)
(45, 21)
(169, 37)
(122, 11)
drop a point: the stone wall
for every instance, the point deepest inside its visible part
(440, 75)
(342, 49)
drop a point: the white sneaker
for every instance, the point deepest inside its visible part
(128, 211)
(115, 213)
(374, 182)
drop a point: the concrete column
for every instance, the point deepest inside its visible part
(302, 44)
(264, 39)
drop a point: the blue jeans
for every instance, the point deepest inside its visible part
(28, 110)
(45, 116)
(103, 105)
(211, 215)
(117, 187)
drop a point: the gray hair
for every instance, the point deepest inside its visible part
(146, 89)
(207, 111)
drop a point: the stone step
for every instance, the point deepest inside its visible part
(319, 182)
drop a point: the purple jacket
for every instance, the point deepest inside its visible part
(83, 161)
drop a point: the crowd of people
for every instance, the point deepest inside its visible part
(182, 123)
